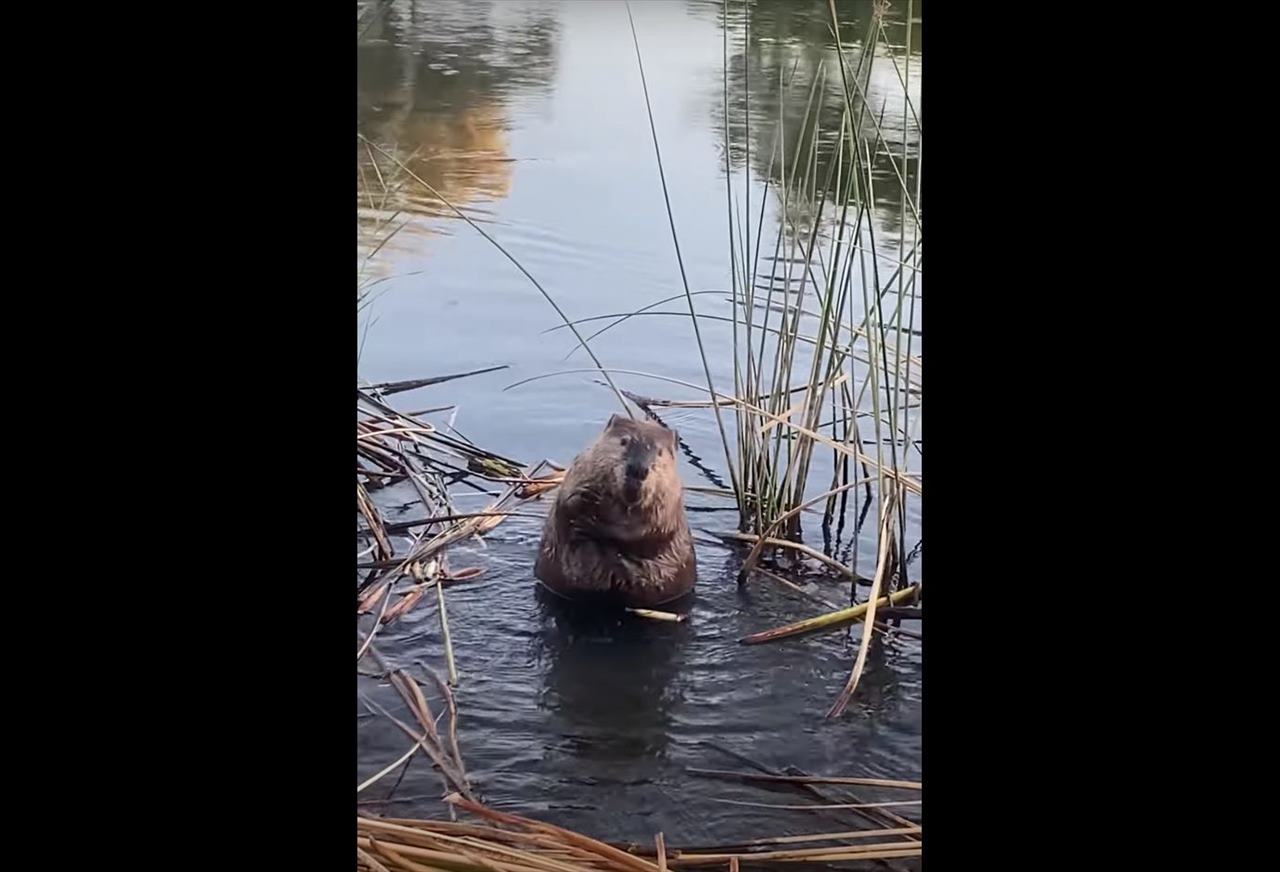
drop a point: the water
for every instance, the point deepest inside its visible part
(530, 118)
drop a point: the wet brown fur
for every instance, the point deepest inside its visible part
(611, 536)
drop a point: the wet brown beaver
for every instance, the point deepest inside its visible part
(617, 530)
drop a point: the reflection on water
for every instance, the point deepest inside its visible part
(789, 58)
(610, 684)
(433, 80)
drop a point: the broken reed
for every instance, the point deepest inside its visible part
(394, 447)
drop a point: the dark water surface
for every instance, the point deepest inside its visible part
(530, 117)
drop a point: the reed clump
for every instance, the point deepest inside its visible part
(497, 840)
(824, 351)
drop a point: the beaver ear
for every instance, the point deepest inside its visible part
(614, 420)
(674, 437)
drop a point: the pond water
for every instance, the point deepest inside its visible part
(531, 119)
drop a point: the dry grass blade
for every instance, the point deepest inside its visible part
(386, 770)
(388, 388)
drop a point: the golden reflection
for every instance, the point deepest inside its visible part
(433, 83)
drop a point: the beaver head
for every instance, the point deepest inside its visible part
(631, 478)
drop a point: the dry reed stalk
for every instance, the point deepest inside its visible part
(602, 849)
(408, 601)
(537, 486)
(795, 587)
(655, 615)
(403, 844)
(879, 817)
(505, 852)
(829, 621)
(366, 603)
(448, 761)
(492, 834)
(374, 432)
(887, 553)
(373, 631)
(399, 856)
(388, 388)
(765, 535)
(893, 803)
(805, 779)
(401, 526)
(802, 548)
(432, 749)
(447, 693)
(373, 518)
(370, 861)
(845, 852)
(800, 839)
(448, 639)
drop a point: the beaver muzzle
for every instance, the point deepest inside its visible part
(639, 458)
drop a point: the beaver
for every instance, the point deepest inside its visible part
(617, 531)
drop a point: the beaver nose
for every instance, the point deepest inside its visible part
(640, 457)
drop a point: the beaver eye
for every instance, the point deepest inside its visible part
(623, 440)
